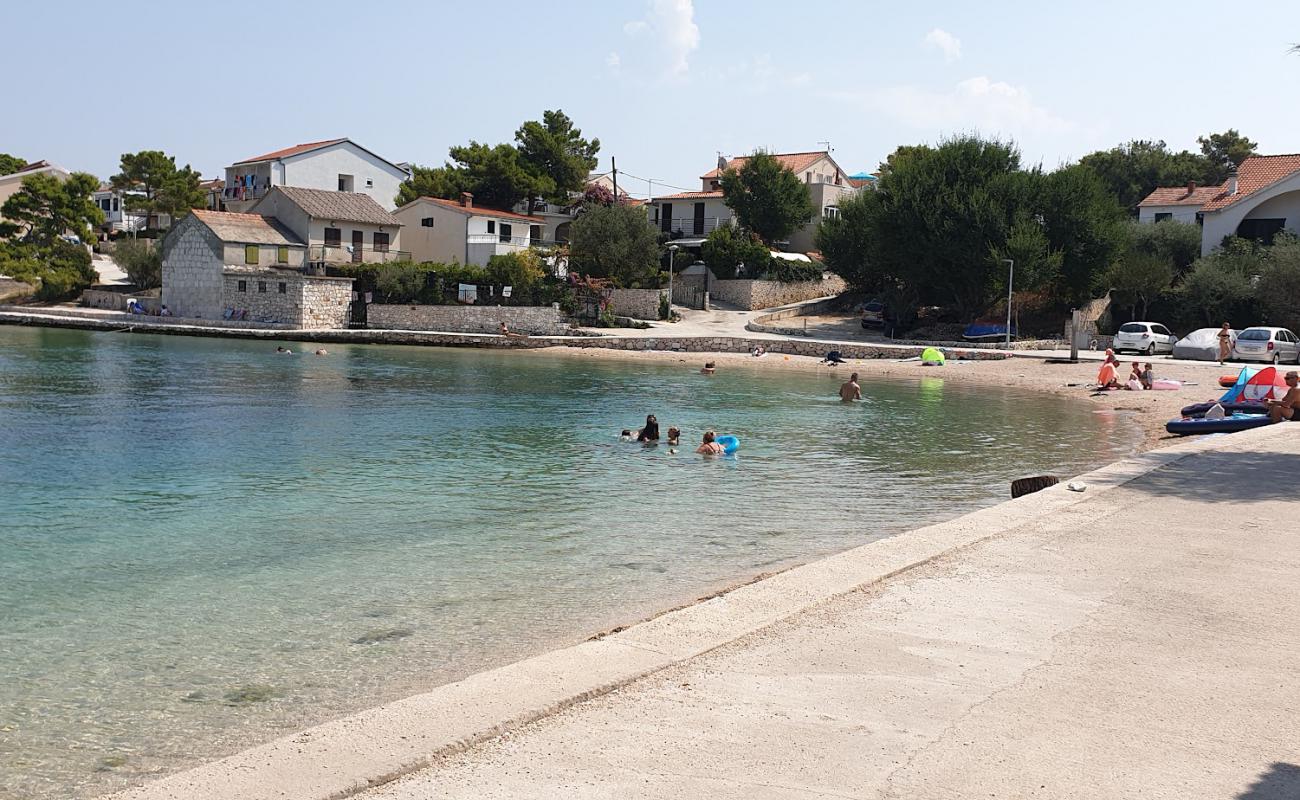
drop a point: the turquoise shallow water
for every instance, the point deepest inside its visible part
(205, 544)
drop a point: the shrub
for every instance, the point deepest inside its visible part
(615, 242)
(788, 270)
(728, 247)
(141, 260)
(60, 271)
(522, 269)
(665, 308)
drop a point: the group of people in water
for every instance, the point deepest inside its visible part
(649, 435)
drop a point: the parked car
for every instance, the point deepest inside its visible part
(1274, 345)
(1147, 338)
(873, 314)
(1201, 344)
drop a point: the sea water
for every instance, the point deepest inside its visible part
(205, 544)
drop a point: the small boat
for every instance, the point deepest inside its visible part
(1237, 422)
(987, 332)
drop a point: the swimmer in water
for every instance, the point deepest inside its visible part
(709, 447)
(626, 435)
(674, 437)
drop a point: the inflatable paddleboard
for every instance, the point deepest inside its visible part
(1237, 422)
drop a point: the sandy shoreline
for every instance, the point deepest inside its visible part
(1148, 411)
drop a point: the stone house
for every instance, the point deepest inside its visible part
(332, 165)
(337, 227)
(448, 230)
(220, 265)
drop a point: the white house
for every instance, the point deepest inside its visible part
(12, 183)
(690, 216)
(337, 227)
(336, 165)
(447, 230)
(117, 219)
(1178, 203)
(1261, 198)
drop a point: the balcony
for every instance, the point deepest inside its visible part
(694, 226)
(239, 194)
(347, 254)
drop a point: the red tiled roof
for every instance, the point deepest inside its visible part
(795, 162)
(1255, 173)
(230, 226)
(688, 196)
(1179, 196)
(479, 211)
(290, 151)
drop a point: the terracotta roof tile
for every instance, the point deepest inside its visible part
(478, 211)
(290, 151)
(795, 162)
(246, 228)
(1254, 174)
(343, 206)
(1179, 196)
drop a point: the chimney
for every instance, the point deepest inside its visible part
(467, 199)
(1232, 182)
(1191, 188)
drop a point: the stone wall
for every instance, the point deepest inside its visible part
(753, 295)
(287, 297)
(116, 301)
(637, 303)
(533, 320)
(191, 270)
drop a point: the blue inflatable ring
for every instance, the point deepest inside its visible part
(730, 444)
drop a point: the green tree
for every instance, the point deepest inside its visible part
(768, 199)
(445, 182)
(10, 164)
(1131, 171)
(1137, 279)
(141, 260)
(1084, 223)
(521, 269)
(1176, 242)
(156, 186)
(554, 149)
(496, 176)
(1037, 263)
(1225, 151)
(616, 242)
(846, 242)
(59, 270)
(1278, 288)
(46, 208)
(728, 247)
(1220, 287)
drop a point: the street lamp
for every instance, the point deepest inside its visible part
(672, 254)
(1011, 276)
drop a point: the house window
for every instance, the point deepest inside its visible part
(105, 204)
(807, 177)
(115, 202)
(333, 237)
(370, 184)
(261, 287)
(427, 222)
(506, 230)
(242, 287)
(381, 242)
(282, 255)
(284, 288)
(535, 234)
(492, 226)
(1161, 216)
(1260, 230)
(345, 183)
(831, 212)
(250, 254)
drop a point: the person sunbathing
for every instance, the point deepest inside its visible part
(1285, 408)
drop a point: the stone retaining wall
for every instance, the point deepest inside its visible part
(534, 320)
(287, 297)
(766, 323)
(752, 295)
(637, 303)
(116, 301)
(683, 344)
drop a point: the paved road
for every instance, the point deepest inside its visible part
(1140, 643)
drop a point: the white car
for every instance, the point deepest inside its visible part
(1274, 345)
(1147, 338)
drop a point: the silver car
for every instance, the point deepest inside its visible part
(1147, 338)
(1274, 345)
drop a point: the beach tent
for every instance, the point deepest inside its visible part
(1256, 387)
(932, 356)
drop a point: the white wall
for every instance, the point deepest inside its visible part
(1147, 214)
(1281, 201)
(320, 169)
(683, 214)
(442, 243)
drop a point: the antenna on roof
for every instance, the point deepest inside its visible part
(722, 162)
(829, 149)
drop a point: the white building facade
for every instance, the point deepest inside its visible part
(443, 231)
(336, 165)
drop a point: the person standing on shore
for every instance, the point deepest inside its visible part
(850, 390)
(1225, 343)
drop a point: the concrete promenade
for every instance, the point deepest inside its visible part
(1137, 639)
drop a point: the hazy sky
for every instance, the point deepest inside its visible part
(664, 84)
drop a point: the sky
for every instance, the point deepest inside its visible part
(666, 85)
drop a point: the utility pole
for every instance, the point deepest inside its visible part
(613, 164)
